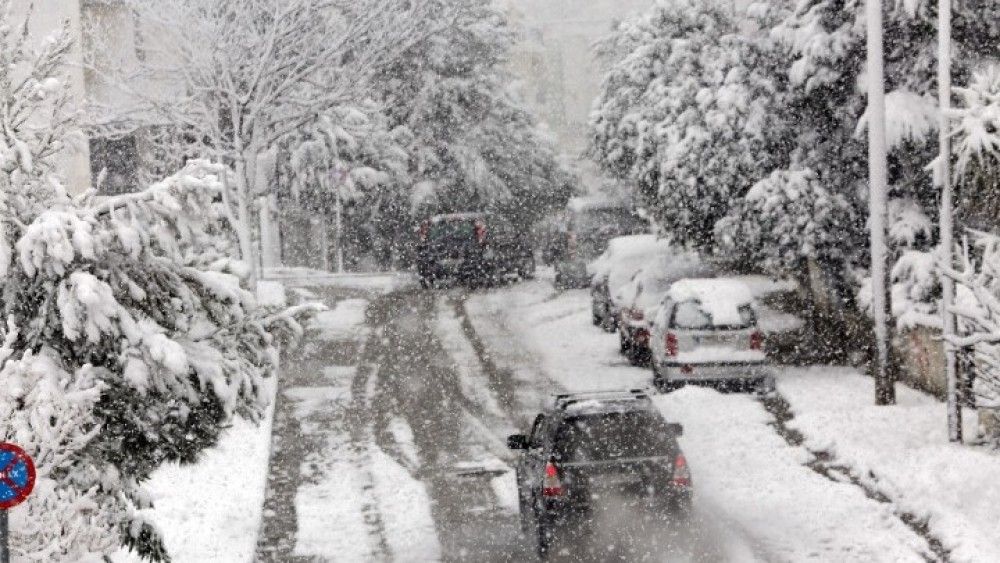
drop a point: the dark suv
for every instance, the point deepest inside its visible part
(474, 248)
(590, 444)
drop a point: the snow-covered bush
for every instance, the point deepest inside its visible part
(793, 215)
(355, 140)
(127, 316)
(977, 306)
(128, 339)
(683, 114)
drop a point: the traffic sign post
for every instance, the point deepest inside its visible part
(17, 479)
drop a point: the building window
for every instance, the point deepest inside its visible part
(114, 165)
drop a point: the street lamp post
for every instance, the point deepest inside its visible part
(885, 391)
(946, 221)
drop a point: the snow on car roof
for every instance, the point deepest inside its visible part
(721, 298)
(626, 250)
(631, 244)
(590, 203)
(457, 216)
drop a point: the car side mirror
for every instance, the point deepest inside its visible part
(676, 428)
(517, 442)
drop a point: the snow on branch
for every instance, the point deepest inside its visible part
(977, 307)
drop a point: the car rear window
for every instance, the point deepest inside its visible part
(610, 436)
(458, 230)
(690, 315)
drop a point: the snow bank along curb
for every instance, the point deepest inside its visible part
(901, 455)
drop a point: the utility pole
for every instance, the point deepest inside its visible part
(340, 175)
(885, 390)
(946, 217)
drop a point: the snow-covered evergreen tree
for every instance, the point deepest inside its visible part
(128, 339)
(353, 151)
(686, 113)
(474, 146)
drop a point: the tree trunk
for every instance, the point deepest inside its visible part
(243, 214)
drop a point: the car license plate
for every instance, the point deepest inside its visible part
(620, 480)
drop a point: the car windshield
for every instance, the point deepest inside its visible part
(692, 315)
(610, 436)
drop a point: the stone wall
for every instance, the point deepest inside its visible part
(921, 355)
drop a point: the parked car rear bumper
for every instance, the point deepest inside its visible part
(713, 372)
(572, 273)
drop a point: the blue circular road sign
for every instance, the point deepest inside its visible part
(17, 475)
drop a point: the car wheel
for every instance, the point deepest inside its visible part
(546, 537)
(527, 270)
(623, 345)
(680, 508)
(663, 384)
(638, 357)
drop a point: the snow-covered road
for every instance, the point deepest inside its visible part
(389, 444)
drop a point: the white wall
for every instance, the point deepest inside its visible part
(48, 16)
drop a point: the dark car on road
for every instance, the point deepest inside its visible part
(590, 445)
(589, 224)
(474, 248)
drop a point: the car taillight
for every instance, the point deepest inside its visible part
(480, 232)
(642, 337)
(757, 340)
(571, 244)
(682, 474)
(552, 485)
(670, 343)
(425, 228)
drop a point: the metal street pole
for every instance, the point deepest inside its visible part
(885, 391)
(946, 213)
(4, 538)
(340, 222)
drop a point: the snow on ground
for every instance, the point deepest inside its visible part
(906, 450)
(346, 483)
(475, 384)
(271, 293)
(743, 470)
(380, 282)
(345, 322)
(405, 508)
(211, 511)
(555, 326)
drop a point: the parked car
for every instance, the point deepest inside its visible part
(614, 268)
(705, 331)
(588, 443)
(590, 223)
(475, 248)
(637, 301)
